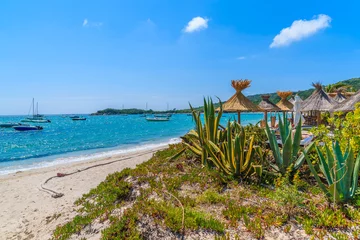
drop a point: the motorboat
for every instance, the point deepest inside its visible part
(78, 118)
(23, 128)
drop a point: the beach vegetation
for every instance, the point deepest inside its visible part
(224, 179)
(341, 171)
(289, 155)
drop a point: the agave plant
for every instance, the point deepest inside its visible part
(233, 156)
(197, 139)
(288, 155)
(340, 170)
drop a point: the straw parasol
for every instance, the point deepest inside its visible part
(267, 106)
(318, 102)
(339, 97)
(284, 104)
(238, 102)
(349, 104)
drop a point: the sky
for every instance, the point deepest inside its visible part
(83, 56)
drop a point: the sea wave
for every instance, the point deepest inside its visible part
(81, 156)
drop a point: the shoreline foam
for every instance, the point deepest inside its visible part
(72, 157)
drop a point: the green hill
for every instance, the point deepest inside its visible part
(354, 82)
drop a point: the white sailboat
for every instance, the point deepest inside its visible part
(36, 118)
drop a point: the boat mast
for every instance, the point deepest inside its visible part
(33, 108)
(37, 108)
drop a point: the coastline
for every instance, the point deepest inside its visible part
(27, 212)
(79, 156)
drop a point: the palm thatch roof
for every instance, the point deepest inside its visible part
(349, 104)
(238, 102)
(284, 104)
(339, 97)
(267, 105)
(318, 100)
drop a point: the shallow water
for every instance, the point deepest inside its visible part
(67, 139)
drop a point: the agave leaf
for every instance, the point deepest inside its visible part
(287, 152)
(218, 163)
(313, 171)
(296, 141)
(249, 153)
(216, 149)
(301, 159)
(355, 176)
(282, 130)
(274, 145)
(324, 167)
(347, 178)
(330, 161)
(177, 155)
(339, 168)
(195, 150)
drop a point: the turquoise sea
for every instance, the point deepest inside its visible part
(64, 140)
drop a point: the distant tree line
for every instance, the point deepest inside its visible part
(353, 84)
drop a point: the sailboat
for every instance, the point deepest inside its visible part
(157, 119)
(36, 118)
(164, 115)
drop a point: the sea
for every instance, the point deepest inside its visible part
(64, 140)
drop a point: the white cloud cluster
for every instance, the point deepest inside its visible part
(86, 23)
(241, 58)
(196, 24)
(300, 29)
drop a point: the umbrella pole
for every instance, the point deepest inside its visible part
(318, 118)
(265, 116)
(239, 120)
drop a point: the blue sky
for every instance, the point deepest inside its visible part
(81, 56)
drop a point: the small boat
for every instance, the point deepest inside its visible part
(163, 115)
(74, 117)
(36, 118)
(23, 128)
(8, 125)
(78, 118)
(189, 114)
(157, 119)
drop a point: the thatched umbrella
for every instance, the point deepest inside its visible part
(349, 104)
(238, 102)
(267, 106)
(319, 101)
(339, 97)
(284, 104)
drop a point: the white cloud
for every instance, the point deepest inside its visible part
(196, 24)
(241, 58)
(300, 29)
(85, 22)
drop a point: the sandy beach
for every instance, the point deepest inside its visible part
(28, 212)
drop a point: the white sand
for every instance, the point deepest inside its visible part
(25, 210)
